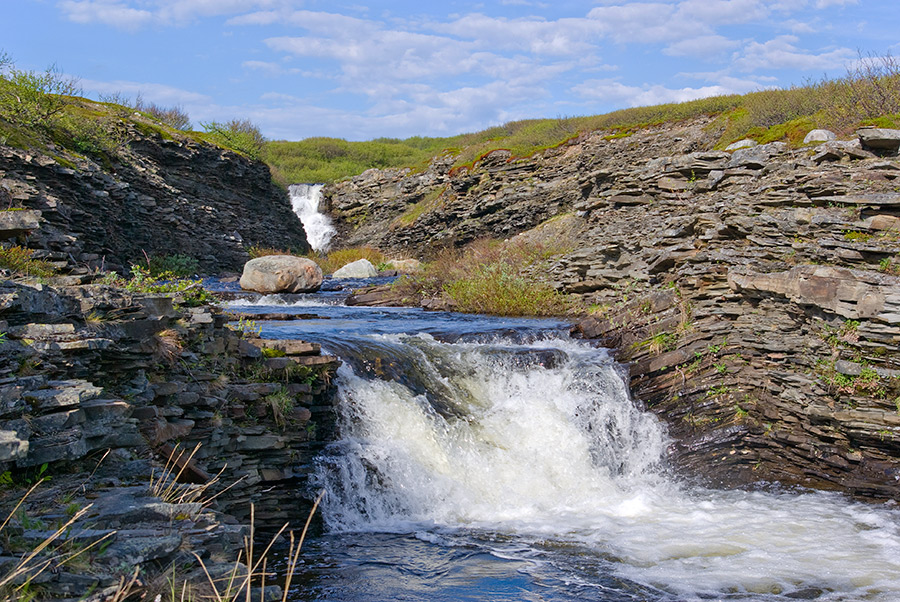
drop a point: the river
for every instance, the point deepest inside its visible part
(494, 459)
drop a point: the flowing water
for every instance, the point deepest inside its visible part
(305, 200)
(494, 459)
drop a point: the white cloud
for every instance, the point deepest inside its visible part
(554, 38)
(266, 68)
(108, 12)
(708, 47)
(133, 14)
(616, 93)
(827, 3)
(782, 53)
(723, 12)
(160, 94)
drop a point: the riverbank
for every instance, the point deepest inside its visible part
(111, 396)
(753, 292)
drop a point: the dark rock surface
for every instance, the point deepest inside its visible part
(162, 197)
(116, 395)
(754, 294)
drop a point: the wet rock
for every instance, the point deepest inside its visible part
(281, 274)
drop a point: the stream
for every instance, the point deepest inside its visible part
(495, 459)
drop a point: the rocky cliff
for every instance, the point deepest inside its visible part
(754, 293)
(162, 193)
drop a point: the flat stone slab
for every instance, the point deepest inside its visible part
(879, 138)
(14, 223)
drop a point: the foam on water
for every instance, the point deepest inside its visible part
(542, 441)
(305, 200)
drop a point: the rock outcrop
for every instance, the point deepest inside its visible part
(161, 196)
(102, 389)
(754, 294)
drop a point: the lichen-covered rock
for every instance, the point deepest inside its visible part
(281, 274)
(881, 139)
(361, 268)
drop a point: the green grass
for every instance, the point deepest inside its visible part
(19, 260)
(493, 277)
(869, 94)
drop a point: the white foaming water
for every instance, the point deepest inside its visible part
(277, 301)
(542, 442)
(305, 201)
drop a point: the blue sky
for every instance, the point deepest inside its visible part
(361, 70)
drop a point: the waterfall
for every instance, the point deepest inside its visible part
(305, 201)
(540, 441)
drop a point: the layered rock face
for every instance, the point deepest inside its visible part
(754, 293)
(162, 196)
(95, 382)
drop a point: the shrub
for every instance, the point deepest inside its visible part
(33, 99)
(178, 265)
(191, 292)
(493, 277)
(239, 135)
(175, 117)
(19, 260)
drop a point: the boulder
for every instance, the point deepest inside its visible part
(361, 268)
(281, 274)
(819, 136)
(405, 266)
(745, 143)
(880, 139)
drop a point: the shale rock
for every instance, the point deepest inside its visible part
(281, 274)
(753, 295)
(880, 139)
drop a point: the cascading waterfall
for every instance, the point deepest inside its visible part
(305, 201)
(539, 441)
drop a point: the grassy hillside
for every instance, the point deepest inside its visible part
(44, 111)
(868, 94)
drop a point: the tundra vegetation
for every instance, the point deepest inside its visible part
(868, 94)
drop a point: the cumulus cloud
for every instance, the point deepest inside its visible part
(708, 47)
(160, 94)
(131, 14)
(782, 52)
(617, 93)
(107, 12)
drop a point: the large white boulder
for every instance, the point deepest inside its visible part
(745, 143)
(361, 268)
(819, 136)
(281, 274)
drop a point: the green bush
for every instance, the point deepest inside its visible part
(191, 292)
(33, 99)
(238, 134)
(179, 265)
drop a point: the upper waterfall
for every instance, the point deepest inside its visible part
(305, 201)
